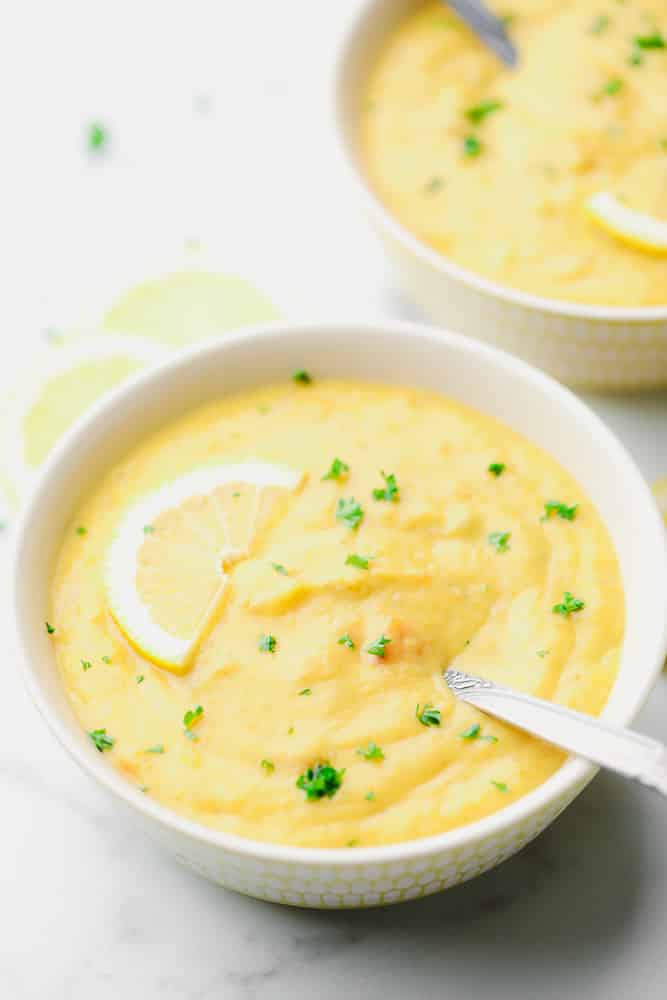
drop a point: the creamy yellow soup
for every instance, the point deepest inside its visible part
(456, 562)
(492, 167)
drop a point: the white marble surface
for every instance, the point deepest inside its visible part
(219, 134)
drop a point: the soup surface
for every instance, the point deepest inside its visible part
(492, 167)
(311, 710)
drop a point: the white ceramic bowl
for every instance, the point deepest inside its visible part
(466, 370)
(586, 346)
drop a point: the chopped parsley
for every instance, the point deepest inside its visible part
(371, 752)
(432, 186)
(561, 509)
(389, 491)
(569, 606)
(301, 377)
(268, 765)
(140, 678)
(192, 716)
(600, 24)
(148, 529)
(610, 88)
(542, 653)
(267, 644)
(346, 640)
(378, 647)
(497, 468)
(500, 540)
(305, 691)
(349, 512)
(97, 137)
(106, 659)
(156, 748)
(279, 568)
(86, 664)
(474, 732)
(49, 628)
(428, 715)
(320, 781)
(472, 147)
(361, 562)
(501, 786)
(369, 796)
(337, 470)
(654, 41)
(101, 740)
(81, 530)
(480, 111)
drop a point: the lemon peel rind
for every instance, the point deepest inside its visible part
(138, 627)
(636, 229)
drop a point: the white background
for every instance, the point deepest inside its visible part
(220, 132)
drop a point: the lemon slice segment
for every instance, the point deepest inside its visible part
(637, 229)
(166, 568)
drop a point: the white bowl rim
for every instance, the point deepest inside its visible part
(435, 260)
(574, 773)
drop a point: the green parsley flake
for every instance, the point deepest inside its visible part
(378, 647)
(561, 509)
(600, 24)
(370, 796)
(97, 137)
(279, 568)
(361, 562)
(106, 659)
(389, 491)
(337, 470)
(471, 733)
(156, 748)
(542, 653)
(301, 377)
(305, 691)
(371, 752)
(654, 41)
(192, 716)
(500, 540)
(49, 628)
(569, 606)
(320, 781)
(480, 111)
(101, 740)
(140, 678)
(267, 644)
(432, 186)
(148, 529)
(268, 765)
(428, 715)
(81, 530)
(346, 640)
(472, 147)
(496, 468)
(610, 89)
(86, 664)
(349, 512)
(501, 786)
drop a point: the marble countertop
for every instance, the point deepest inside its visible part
(219, 134)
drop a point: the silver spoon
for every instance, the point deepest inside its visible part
(618, 749)
(489, 28)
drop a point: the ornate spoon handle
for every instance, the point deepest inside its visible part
(618, 749)
(488, 28)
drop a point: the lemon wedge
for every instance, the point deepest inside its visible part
(166, 570)
(637, 229)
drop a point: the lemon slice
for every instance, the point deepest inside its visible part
(61, 383)
(637, 229)
(166, 568)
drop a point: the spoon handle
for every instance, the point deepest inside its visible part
(622, 750)
(488, 28)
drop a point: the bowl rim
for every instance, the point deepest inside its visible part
(342, 131)
(570, 778)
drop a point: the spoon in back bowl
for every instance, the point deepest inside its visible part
(618, 749)
(488, 28)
